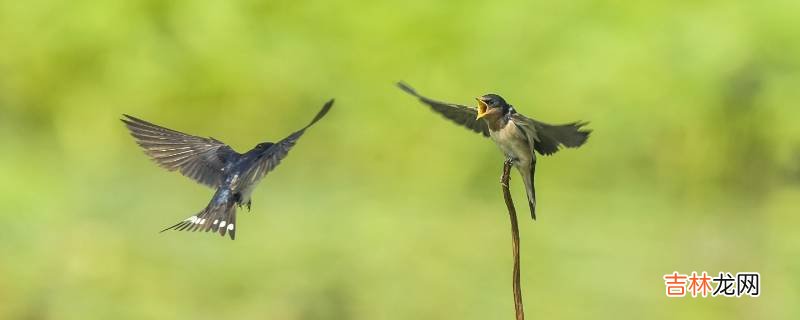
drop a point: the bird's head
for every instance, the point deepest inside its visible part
(263, 146)
(491, 106)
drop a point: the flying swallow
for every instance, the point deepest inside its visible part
(517, 136)
(213, 163)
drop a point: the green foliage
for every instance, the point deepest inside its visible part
(383, 210)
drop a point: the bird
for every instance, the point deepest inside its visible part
(518, 137)
(211, 162)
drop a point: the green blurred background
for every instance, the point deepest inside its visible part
(384, 210)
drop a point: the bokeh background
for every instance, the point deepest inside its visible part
(384, 210)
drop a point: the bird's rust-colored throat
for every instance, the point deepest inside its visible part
(482, 107)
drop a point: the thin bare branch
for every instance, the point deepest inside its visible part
(512, 214)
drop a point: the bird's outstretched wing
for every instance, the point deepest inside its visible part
(459, 114)
(272, 156)
(548, 138)
(201, 159)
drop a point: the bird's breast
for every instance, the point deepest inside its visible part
(513, 143)
(232, 179)
(241, 179)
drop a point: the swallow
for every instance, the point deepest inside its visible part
(517, 136)
(213, 163)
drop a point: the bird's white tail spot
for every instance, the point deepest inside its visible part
(216, 221)
(230, 226)
(203, 221)
(192, 219)
(222, 224)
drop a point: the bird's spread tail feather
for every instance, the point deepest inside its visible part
(217, 217)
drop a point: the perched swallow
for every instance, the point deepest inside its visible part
(516, 135)
(215, 164)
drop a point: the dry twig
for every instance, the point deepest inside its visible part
(512, 214)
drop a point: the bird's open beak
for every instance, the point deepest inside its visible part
(481, 108)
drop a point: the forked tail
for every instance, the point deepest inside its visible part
(217, 216)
